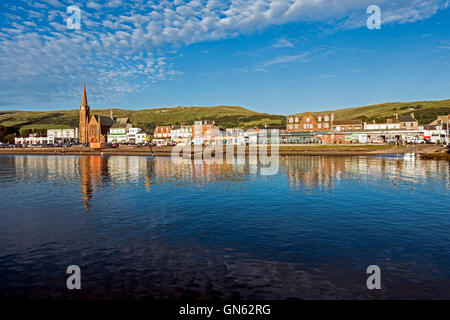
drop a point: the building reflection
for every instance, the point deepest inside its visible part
(325, 172)
(93, 169)
(206, 171)
(303, 172)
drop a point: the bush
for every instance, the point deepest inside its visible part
(9, 138)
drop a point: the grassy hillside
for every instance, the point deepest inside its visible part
(225, 116)
(424, 111)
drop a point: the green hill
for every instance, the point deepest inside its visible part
(224, 116)
(424, 111)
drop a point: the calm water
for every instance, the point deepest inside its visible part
(146, 228)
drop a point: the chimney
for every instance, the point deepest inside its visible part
(373, 121)
(412, 115)
(396, 116)
(111, 114)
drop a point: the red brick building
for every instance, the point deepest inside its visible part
(92, 128)
(348, 125)
(309, 123)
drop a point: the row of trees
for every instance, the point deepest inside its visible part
(8, 134)
(39, 132)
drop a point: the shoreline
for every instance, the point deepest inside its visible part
(426, 151)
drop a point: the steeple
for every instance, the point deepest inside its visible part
(84, 103)
(84, 119)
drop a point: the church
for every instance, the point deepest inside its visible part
(94, 129)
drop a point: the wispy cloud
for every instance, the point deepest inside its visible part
(287, 60)
(283, 43)
(338, 74)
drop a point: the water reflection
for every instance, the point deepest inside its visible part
(324, 172)
(203, 229)
(303, 172)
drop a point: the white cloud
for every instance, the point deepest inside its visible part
(93, 5)
(117, 48)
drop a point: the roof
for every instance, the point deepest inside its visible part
(313, 114)
(345, 122)
(118, 125)
(406, 119)
(272, 127)
(122, 121)
(104, 121)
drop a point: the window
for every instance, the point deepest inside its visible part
(296, 119)
(319, 119)
(326, 125)
(308, 120)
(304, 126)
(319, 126)
(326, 118)
(291, 120)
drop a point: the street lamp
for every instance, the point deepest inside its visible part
(446, 139)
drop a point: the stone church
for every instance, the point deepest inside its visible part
(94, 129)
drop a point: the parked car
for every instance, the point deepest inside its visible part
(414, 141)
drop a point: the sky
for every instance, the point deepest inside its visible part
(274, 56)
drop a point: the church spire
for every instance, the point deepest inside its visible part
(84, 104)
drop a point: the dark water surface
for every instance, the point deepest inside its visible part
(142, 228)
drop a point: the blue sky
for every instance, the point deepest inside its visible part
(275, 56)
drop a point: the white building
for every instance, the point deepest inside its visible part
(31, 139)
(381, 126)
(117, 135)
(142, 137)
(62, 135)
(435, 134)
(131, 134)
(235, 136)
(181, 134)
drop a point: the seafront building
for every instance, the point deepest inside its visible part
(204, 132)
(181, 134)
(162, 135)
(62, 135)
(309, 123)
(32, 139)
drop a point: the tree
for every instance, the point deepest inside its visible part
(9, 138)
(25, 132)
(40, 132)
(7, 132)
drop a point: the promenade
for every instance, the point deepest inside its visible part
(284, 150)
